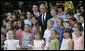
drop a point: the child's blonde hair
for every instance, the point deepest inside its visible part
(51, 21)
(13, 32)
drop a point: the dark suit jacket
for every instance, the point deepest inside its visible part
(48, 16)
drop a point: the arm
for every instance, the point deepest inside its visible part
(17, 45)
(40, 29)
(57, 45)
(5, 46)
(21, 40)
(70, 43)
(31, 40)
(43, 45)
(82, 41)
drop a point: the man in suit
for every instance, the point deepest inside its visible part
(44, 16)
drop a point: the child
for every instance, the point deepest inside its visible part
(9, 16)
(19, 29)
(81, 17)
(35, 26)
(69, 15)
(60, 29)
(79, 40)
(22, 16)
(3, 37)
(77, 14)
(72, 22)
(3, 29)
(47, 32)
(11, 43)
(29, 18)
(54, 18)
(66, 24)
(38, 43)
(76, 25)
(9, 26)
(26, 37)
(35, 10)
(67, 42)
(53, 41)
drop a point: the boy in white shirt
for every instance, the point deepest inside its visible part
(47, 32)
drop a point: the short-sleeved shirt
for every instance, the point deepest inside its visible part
(53, 44)
(28, 21)
(47, 35)
(63, 15)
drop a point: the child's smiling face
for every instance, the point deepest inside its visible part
(53, 34)
(10, 34)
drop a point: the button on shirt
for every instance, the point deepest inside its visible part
(28, 21)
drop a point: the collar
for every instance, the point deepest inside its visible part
(62, 13)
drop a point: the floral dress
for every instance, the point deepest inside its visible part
(26, 40)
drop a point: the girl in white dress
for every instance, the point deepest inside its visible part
(38, 43)
(67, 43)
(11, 43)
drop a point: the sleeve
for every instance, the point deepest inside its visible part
(17, 44)
(43, 41)
(6, 43)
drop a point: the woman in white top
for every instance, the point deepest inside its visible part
(67, 43)
(11, 43)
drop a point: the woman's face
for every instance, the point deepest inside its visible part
(53, 12)
(34, 21)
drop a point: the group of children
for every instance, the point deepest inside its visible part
(21, 34)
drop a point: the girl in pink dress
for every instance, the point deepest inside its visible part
(19, 30)
(79, 40)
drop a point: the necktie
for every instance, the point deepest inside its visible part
(43, 19)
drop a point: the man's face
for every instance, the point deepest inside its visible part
(42, 9)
